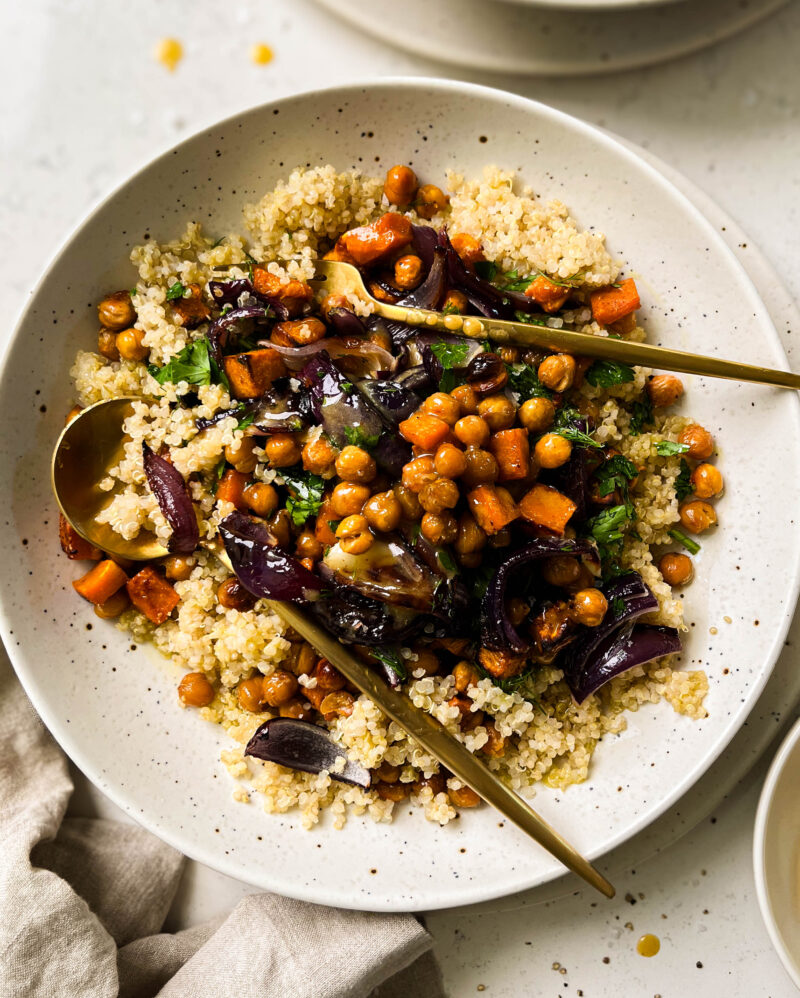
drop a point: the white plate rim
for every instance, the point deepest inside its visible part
(326, 896)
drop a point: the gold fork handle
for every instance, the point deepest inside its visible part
(588, 345)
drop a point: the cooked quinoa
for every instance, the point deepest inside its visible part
(547, 736)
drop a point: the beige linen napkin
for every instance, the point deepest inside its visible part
(82, 902)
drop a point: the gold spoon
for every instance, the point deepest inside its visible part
(92, 443)
(334, 277)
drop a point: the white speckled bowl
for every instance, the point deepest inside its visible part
(776, 853)
(113, 708)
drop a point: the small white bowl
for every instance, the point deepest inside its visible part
(776, 853)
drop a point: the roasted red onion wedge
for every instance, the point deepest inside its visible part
(305, 746)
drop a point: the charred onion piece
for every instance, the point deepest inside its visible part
(167, 485)
(307, 747)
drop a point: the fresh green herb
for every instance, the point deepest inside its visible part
(194, 365)
(616, 474)
(678, 535)
(391, 659)
(486, 269)
(217, 474)
(247, 419)
(641, 416)
(133, 291)
(305, 494)
(565, 426)
(445, 559)
(451, 309)
(250, 263)
(218, 242)
(177, 290)
(516, 684)
(683, 483)
(606, 529)
(356, 437)
(346, 387)
(617, 605)
(524, 381)
(605, 373)
(666, 448)
(568, 282)
(511, 281)
(334, 525)
(450, 355)
(531, 320)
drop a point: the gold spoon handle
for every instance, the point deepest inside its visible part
(588, 345)
(436, 740)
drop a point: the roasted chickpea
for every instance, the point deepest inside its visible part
(436, 784)
(195, 690)
(472, 431)
(676, 569)
(383, 511)
(408, 271)
(439, 495)
(418, 473)
(496, 744)
(250, 694)
(552, 450)
(699, 440)
(279, 688)
(463, 797)
(178, 567)
(664, 390)
(465, 675)
(444, 406)
(449, 461)
(392, 791)
(430, 201)
(482, 467)
(107, 344)
(467, 247)
(439, 528)
(706, 481)
(424, 660)
(280, 526)
(130, 344)
(338, 704)
(329, 302)
(557, 372)
(297, 709)
(113, 606)
(241, 454)
(348, 498)
(588, 607)
(388, 773)
(282, 450)
(233, 596)
(400, 185)
(308, 546)
(498, 412)
(561, 570)
(355, 465)
(261, 498)
(409, 501)
(471, 538)
(116, 311)
(697, 516)
(456, 301)
(306, 660)
(537, 414)
(328, 676)
(354, 535)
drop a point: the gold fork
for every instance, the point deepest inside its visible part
(334, 277)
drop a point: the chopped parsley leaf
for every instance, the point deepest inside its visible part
(356, 437)
(567, 423)
(194, 365)
(616, 474)
(511, 281)
(133, 291)
(606, 529)
(346, 387)
(247, 419)
(683, 483)
(486, 269)
(531, 320)
(177, 290)
(666, 448)
(617, 605)
(450, 355)
(605, 373)
(445, 559)
(305, 494)
(524, 381)
(218, 472)
(678, 535)
(641, 416)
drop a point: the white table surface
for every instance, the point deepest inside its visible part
(82, 103)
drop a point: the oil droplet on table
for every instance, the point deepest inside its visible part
(169, 53)
(648, 945)
(261, 54)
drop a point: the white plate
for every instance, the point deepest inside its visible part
(776, 853)
(113, 709)
(505, 38)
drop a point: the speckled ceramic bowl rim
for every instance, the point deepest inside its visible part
(319, 894)
(763, 815)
